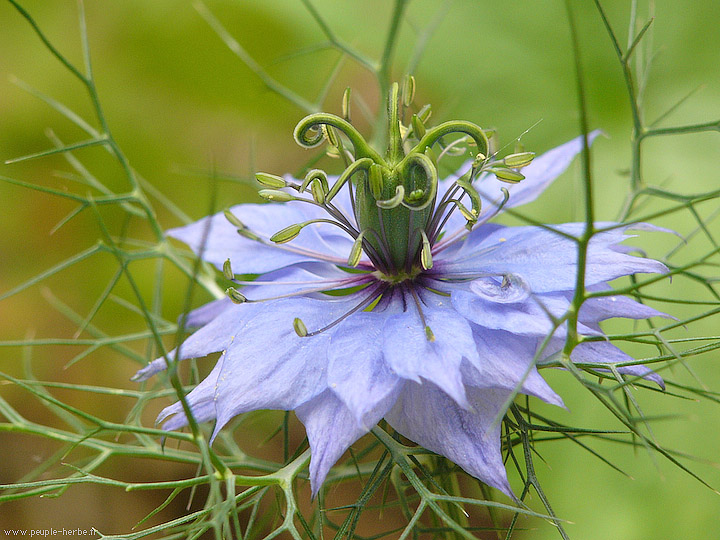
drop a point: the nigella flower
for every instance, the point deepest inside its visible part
(386, 293)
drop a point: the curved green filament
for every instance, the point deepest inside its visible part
(355, 166)
(431, 181)
(317, 120)
(455, 126)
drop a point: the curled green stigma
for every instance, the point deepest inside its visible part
(396, 216)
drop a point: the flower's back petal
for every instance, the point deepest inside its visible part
(428, 416)
(300, 277)
(217, 240)
(358, 373)
(412, 355)
(538, 176)
(204, 314)
(331, 429)
(543, 170)
(600, 308)
(604, 352)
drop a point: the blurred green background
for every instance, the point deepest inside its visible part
(181, 105)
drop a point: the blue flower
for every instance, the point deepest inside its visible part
(437, 315)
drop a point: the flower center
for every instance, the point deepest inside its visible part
(396, 215)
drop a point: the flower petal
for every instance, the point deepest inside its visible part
(507, 362)
(271, 367)
(358, 373)
(414, 354)
(604, 352)
(215, 336)
(546, 260)
(331, 429)
(428, 416)
(217, 239)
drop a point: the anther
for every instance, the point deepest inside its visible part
(227, 270)
(275, 195)
(287, 234)
(426, 252)
(346, 104)
(270, 180)
(299, 327)
(518, 160)
(506, 175)
(356, 250)
(235, 296)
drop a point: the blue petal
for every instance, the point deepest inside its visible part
(412, 355)
(358, 373)
(426, 415)
(218, 240)
(270, 366)
(546, 260)
(215, 336)
(331, 429)
(201, 401)
(604, 352)
(507, 362)
(538, 176)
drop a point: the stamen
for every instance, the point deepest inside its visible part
(428, 331)
(369, 299)
(270, 180)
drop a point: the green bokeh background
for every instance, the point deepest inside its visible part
(181, 105)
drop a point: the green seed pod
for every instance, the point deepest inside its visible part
(356, 250)
(316, 188)
(408, 91)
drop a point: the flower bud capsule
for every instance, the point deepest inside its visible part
(522, 159)
(287, 234)
(507, 175)
(235, 296)
(275, 195)
(227, 270)
(299, 327)
(270, 180)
